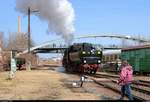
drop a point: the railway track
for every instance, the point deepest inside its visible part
(135, 88)
(143, 81)
(117, 90)
(139, 82)
(136, 82)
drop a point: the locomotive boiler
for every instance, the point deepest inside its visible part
(82, 58)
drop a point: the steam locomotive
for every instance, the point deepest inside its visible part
(82, 58)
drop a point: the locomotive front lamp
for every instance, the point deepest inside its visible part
(99, 61)
(83, 52)
(99, 52)
(84, 61)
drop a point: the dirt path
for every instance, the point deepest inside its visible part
(39, 85)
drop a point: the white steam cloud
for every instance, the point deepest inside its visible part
(58, 13)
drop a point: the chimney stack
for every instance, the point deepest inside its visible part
(19, 24)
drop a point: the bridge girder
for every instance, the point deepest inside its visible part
(92, 36)
(115, 36)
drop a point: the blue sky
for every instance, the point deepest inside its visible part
(131, 17)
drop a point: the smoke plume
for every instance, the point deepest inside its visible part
(58, 13)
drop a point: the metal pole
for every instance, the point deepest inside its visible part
(29, 62)
(28, 30)
(29, 38)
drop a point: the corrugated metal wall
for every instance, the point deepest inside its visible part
(138, 58)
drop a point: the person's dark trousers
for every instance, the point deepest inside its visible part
(81, 83)
(126, 89)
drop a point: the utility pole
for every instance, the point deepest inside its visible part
(29, 38)
(29, 60)
(29, 30)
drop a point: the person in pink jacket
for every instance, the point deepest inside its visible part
(125, 79)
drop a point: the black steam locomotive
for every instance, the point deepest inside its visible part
(82, 58)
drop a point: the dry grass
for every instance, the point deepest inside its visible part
(38, 85)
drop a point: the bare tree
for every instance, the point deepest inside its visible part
(1, 46)
(1, 40)
(18, 41)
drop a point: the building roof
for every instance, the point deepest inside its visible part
(137, 47)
